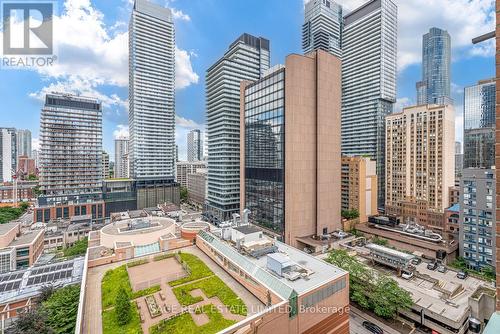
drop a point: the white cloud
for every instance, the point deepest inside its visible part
(35, 144)
(184, 74)
(121, 132)
(81, 86)
(459, 123)
(179, 15)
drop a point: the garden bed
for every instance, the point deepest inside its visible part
(154, 309)
(111, 283)
(195, 267)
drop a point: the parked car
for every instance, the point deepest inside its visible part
(372, 327)
(462, 275)
(442, 269)
(416, 261)
(432, 266)
(407, 274)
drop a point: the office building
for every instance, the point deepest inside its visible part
(23, 143)
(105, 166)
(420, 165)
(151, 92)
(246, 59)
(322, 28)
(479, 125)
(19, 250)
(290, 139)
(184, 168)
(71, 171)
(359, 186)
(8, 154)
(436, 68)
(478, 217)
(369, 58)
(194, 146)
(122, 165)
(197, 186)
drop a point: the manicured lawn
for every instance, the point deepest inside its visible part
(111, 283)
(196, 266)
(212, 287)
(110, 323)
(184, 324)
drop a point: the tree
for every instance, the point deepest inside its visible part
(370, 289)
(78, 248)
(45, 293)
(123, 307)
(380, 241)
(31, 321)
(32, 177)
(184, 194)
(62, 308)
(350, 214)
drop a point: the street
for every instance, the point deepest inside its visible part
(355, 324)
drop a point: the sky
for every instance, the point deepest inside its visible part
(91, 40)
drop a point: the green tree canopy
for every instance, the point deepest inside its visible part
(123, 307)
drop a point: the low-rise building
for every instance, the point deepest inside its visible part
(197, 186)
(25, 191)
(65, 233)
(26, 166)
(184, 168)
(452, 222)
(19, 250)
(359, 186)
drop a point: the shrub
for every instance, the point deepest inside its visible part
(122, 307)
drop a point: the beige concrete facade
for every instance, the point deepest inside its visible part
(420, 158)
(359, 186)
(312, 156)
(197, 186)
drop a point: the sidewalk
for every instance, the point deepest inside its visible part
(389, 328)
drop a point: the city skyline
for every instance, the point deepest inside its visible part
(194, 56)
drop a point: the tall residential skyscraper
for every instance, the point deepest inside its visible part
(151, 91)
(194, 145)
(369, 81)
(24, 143)
(122, 158)
(290, 148)
(479, 125)
(322, 28)
(105, 165)
(246, 59)
(436, 68)
(71, 149)
(8, 154)
(420, 166)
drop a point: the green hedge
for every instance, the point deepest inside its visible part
(212, 287)
(196, 266)
(163, 256)
(145, 292)
(137, 263)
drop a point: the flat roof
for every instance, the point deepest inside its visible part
(26, 238)
(5, 228)
(390, 251)
(321, 271)
(247, 229)
(493, 326)
(118, 227)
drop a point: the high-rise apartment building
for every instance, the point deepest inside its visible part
(290, 140)
(23, 143)
(105, 166)
(436, 68)
(8, 154)
(197, 186)
(477, 217)
(151, 92)
(246, 59)
(479, 125)
(369, 57)
(194, 145)
(71, 158)
(359, 186)
(322, 28)
(420, 163)
(122, 158)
